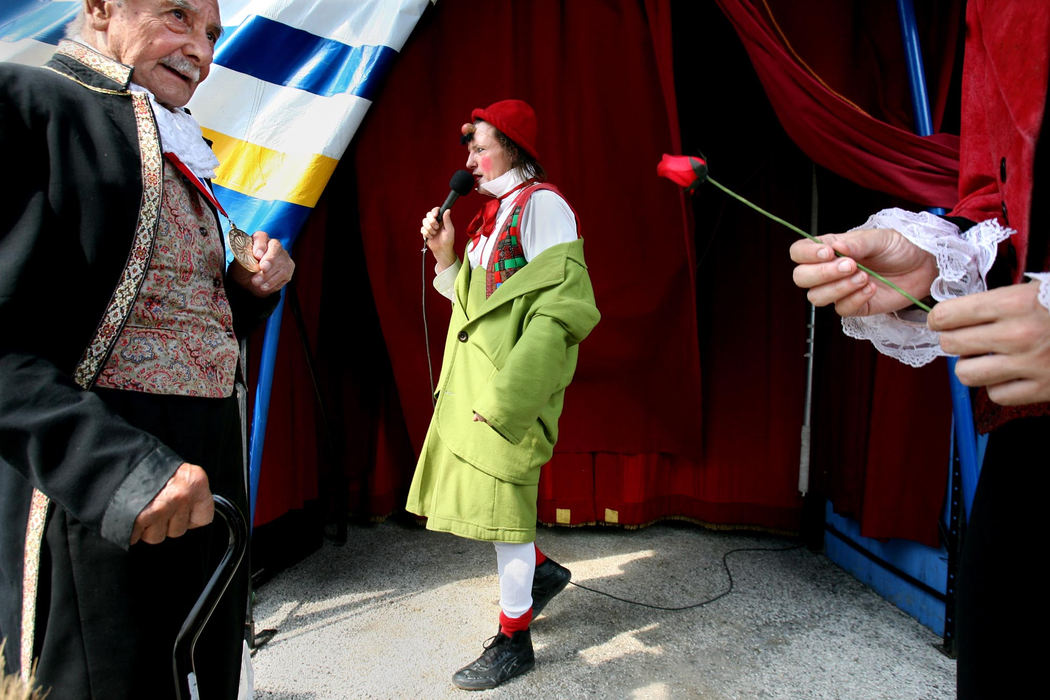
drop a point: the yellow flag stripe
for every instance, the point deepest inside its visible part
(263, 173)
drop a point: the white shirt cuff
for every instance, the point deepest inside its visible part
(445, 281)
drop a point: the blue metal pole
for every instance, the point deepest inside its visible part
(962, 411)
(267, 360)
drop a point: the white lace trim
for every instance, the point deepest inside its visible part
(897, 335)
(963, 260)
(1044, 287)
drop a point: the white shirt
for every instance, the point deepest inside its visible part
(547, 220)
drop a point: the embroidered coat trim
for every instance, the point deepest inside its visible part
(142, 249)
(115, 315)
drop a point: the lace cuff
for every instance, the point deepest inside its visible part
(898, 335)
(963, 260)
(1044, 287)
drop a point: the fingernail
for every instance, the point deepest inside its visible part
(823, 253)
(857, 278)
(845, 266)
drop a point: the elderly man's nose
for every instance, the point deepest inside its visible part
(200, 48)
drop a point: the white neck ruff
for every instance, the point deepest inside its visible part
(181, 134)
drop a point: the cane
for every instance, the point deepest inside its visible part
(182, 657)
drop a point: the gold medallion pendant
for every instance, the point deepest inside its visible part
(242, 246)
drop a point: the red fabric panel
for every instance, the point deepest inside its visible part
(899, 490)
(883, 433)
(752, 319)
(566, 491)
(637, 489)
(583, 489)
(831, 129)
(856, 50)
(603, 124)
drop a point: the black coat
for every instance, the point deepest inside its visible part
(78, 215)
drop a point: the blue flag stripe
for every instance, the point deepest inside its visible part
(283, 55)
(45, 23)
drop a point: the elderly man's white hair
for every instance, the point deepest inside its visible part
(75, 29)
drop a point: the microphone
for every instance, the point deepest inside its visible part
(461, 183)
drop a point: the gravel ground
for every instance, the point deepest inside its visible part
(395, 611)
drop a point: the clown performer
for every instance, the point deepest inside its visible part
(520, 307)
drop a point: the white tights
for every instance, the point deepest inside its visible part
(517, 565)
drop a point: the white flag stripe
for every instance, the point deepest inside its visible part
(27, 51)
(276, 117)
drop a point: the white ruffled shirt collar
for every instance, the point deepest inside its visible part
(181, 134)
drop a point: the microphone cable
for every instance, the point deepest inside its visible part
(723, 594)
(459, 184)
(426, 330)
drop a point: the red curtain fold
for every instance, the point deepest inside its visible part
(830, 128)
(838, 83)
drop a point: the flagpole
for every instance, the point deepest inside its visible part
(261, 405)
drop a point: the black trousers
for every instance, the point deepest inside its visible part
(110, 617)
(1001, 618)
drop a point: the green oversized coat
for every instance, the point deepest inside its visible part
(509, 359)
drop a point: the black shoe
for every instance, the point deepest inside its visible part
(550, 579)
(504, 657)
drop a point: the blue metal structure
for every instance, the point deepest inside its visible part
(962, 411)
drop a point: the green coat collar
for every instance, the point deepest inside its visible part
(545, 270)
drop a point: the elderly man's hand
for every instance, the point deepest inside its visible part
(1002, 338)
(184, 503)
(838, 281)
(275, 267)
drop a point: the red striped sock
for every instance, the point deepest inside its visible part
(510, 625)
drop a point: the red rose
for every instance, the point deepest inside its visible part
(686, 171)
(689, 172)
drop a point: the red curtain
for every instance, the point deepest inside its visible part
(689, 394)
(591, 72)
(837, 82)
(799, 57)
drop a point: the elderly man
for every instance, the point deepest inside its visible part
(118, 357)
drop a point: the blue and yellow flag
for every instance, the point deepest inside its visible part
(290, 83)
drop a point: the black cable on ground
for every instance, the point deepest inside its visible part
(725, 565)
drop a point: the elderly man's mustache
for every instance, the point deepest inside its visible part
(180, 64)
